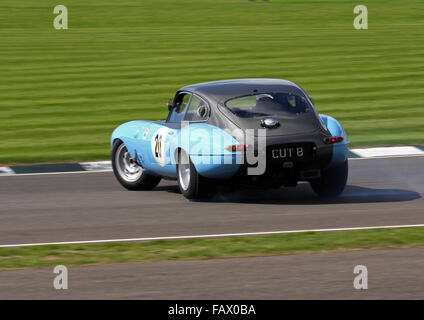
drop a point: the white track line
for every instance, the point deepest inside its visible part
(53, 173)
(110, 170)
(208, 236)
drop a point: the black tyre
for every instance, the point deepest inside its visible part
(332, 182)
(192, 185)
(128, 172)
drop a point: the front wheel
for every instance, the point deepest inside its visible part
(192, 185)
(332, 182)
(128, 172)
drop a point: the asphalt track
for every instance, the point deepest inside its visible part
(90, 206)
(93, 206)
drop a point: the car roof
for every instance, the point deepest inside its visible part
(223, 90)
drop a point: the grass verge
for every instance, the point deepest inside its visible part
(62, 92)
(52, 255)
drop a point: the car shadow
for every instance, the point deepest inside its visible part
(303, 194)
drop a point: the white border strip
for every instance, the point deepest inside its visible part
(51, 173)
(368, 153)
(97, 166)
(208, 236)
(6, 171)
(387, 152)
(389, 157)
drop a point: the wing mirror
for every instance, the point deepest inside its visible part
(170, 104)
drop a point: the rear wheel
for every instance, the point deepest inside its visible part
(128, 172)
(332, 182)
(192, 185)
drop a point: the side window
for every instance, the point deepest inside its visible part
(197, 111)
(177, 113)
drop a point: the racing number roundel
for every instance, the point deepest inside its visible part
(158, 145)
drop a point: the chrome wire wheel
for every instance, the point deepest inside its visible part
(127, 167)
(184, 171)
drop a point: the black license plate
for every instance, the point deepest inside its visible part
(295, 152)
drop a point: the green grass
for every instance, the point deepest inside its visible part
(62, 92)
(52, 255)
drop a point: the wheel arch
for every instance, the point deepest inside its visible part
(340, 149)
(177, 152)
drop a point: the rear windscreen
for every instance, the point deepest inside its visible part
(268, 104)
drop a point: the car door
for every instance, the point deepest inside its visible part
(164, 139)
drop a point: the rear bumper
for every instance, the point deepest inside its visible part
(289, 171)
(319, 156)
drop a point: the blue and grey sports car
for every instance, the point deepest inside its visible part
(263, 133)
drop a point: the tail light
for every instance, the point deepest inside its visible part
(240, 147)
(332, 140)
